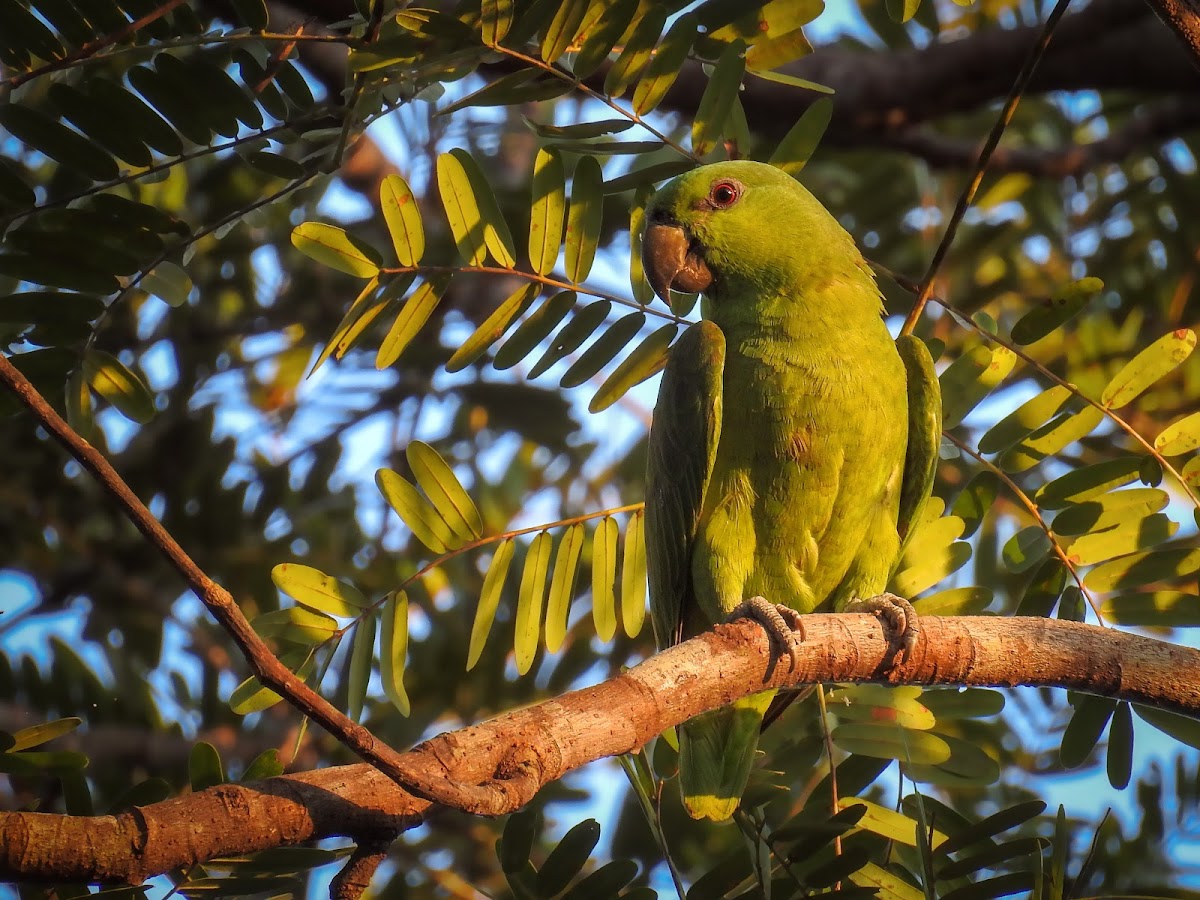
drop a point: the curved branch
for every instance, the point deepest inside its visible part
(505, 760)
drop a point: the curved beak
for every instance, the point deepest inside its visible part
(672, 261)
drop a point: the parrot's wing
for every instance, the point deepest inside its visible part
(683, 446)
(924, 432)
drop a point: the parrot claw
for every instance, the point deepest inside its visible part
(897, 613)
(777, 620)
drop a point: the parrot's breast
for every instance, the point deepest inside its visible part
(802, 504)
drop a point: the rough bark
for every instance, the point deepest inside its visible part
(500, 764)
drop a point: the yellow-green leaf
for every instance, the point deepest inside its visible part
(612, 22)
(798, 145)
(892, 742)
(604, 578)
(964, 601)
(168, 282)
(295, 624)
(320, 592)
(1110, 510)
(495, 19)
(438, 481)
(1179, 437)
(1018, 424)
(584, 217)
(562, 586)
(362, 655)
(403, 217)
(1026, 548)
(886, 822)
(416, 512)
(633, 576)
(1087, 482)
(534, 330)
(1057, 434)
(496, 236)
(489, 599)
(411, 319)
(334, 247)
(1131, 535)
(562, 28)
(717, 100)
(970, 378)
(642, 292)
(546, 213)
(494, 326)
(251, 696)
(462, 209)
(1160, 609)
(117, 384)
(1160, 358)
(646, 359)
(1138, 569)
(36, 735)
(393, 650)
(530, 597)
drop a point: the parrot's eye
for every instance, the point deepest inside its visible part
(724, 194)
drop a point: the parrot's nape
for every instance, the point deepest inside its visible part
(793, 443)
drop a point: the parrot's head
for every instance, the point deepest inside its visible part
(742, 229)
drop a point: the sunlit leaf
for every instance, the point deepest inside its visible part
(416, 512)
(1128, 537)
(562, 586)
(462, 209)
(1179, 437)
(975, 500)
(402, 214)
(1138, 569)
(116, 383)
(449, 497)
(1164, 609)
(613, 22)
(251, 696)
(970, 378)
(36, 735)
(530, 598)
(334, 247)
(1055, 311)
(546, 213)
(489, 599)
(964, 601)
(295, 624)
(393, 650)
(1109, 510)
(563, 28)
(584, 217)
(1156, 361)
(604, 578)
(412, 317)
(362, 655)
(496, 236)
(633, 576)
(636, 52)
(1030, 415)
(891, 742)
(168, 282)
(1087, 482)
(495, 19)
(1056, 435)
(320, 592)
(1026, 548)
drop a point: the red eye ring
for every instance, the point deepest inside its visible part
(724, 194)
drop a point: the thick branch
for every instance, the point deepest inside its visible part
(508, 758)
(1183, 17)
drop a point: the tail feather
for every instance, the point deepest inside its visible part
(716, 751)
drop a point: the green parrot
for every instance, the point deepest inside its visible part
(793, 441)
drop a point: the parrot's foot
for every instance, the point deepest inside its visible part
(897, 613)
(777, 620)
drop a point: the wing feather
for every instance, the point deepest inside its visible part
(683, 447)
(924, 432)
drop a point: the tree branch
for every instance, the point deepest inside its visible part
(1182, 17)
(507, 759)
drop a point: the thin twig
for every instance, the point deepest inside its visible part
(968, 194)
